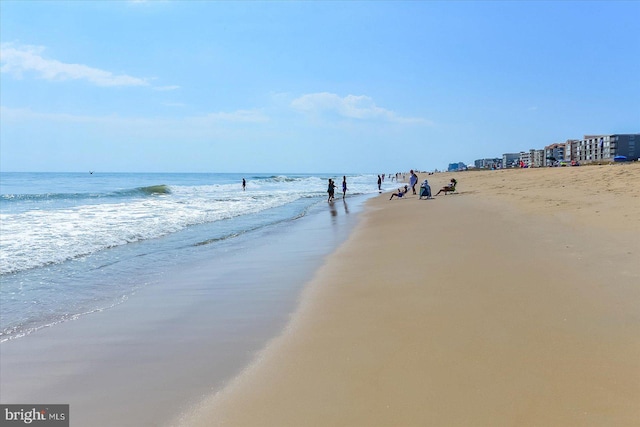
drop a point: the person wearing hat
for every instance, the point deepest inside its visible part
(425, 190)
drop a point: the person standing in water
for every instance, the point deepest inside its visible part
(344, 187)
(379, 184)
(244, 184)
(331, 190)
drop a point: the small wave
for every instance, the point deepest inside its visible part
(248, 230)
(150, 190)
(276, 178)
(218, 239)
(48, 196)
(155, 189)
(19, 331)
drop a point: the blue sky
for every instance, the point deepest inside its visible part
(197, 86)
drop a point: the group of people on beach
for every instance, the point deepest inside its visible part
(332, 189)
(425, 188)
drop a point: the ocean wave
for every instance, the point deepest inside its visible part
(73, 246)
(277, 178)
(39, 237)
(153, 189)
(46, 232)
(133, 192)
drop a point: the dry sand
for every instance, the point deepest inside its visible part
(515, 302)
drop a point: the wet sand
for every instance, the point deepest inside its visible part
(515, 301)
(174, 342)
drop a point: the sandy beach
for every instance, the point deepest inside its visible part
(514, 302)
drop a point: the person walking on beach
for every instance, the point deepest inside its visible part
(413, 180)
(379, 184)
(244, 184)
(344, 187)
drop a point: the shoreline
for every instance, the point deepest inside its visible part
(513, 302)
(173, 342)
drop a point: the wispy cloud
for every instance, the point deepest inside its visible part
(358, 107)
(19, 60)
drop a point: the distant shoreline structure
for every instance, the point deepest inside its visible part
(592, 149)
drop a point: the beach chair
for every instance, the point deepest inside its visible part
(451, 188)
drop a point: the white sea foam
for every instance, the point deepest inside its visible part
(71, 245)
(50, 233)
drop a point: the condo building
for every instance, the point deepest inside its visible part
(598, 148)
(592, 148)
(555, 153)
(494, 163)
(509, 160)
(538, 159)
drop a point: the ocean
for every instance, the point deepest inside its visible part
(73, 244)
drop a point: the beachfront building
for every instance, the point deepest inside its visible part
(537, 158)
(456, 167)
(571, 149)
(555, 153)
(604, 148)
(524, 158)
(495, 163)
(510, 160)
(532, 158)
(592, 148)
